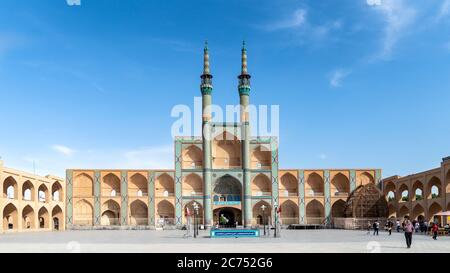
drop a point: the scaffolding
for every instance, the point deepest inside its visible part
(366, 202)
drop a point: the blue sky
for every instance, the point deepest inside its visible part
(360, 83)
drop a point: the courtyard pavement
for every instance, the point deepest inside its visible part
(304, 241)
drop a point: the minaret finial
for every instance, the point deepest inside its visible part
(244, 59)
(244, 78)
(206, 85)
(206, 59)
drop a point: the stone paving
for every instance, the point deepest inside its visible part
(174, 241)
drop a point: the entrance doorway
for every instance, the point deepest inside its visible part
(55, 223)
(227, 217)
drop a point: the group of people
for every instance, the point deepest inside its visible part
(407, 226)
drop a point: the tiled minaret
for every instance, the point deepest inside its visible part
(244, 95)
(206, 89)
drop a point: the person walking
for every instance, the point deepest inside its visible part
(408, 227)
(435, 229)
(369, 225)
(398, 225)
(389, 227)
(376, 227)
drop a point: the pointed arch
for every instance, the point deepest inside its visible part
(28, 193)
(138, 213)
(432, 211)
(261, 157)
(138, 186)
(226, 151)
(83, 213)
(165, 212)
(83, 185)
(417, 191)
(200, 214)
(43, 218)
(338, 209)
(289, 213)
(10, 217)
(57, 192)
(192, 185)
(315, 212)
(110, 185)
(403, 211)
(10, 187)
(434, 188)
(261, 216)
(28, 218)
(165, 185)
(192, 157)
(403, 193)
(365, 178)
(392, 211)
(288, 185)
(43, 195)
(57, 218)
(314, 185)
(110, 213)
(261, 185)
(340, 185)
(418, 210)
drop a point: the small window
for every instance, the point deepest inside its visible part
(113, 193)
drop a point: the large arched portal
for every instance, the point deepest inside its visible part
(366, 202)
(227, 189)
(227, 217)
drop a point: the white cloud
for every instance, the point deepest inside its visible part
(337, 76)
(444, 10)
(63, 149)
(398, 16)
(322, 156)
(298, 19)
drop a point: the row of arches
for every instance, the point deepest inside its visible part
(27, 191)
(418, 212)
(83, 185)
(226, 153)
(83, 212)
(193, 185)
(30, 220)
(403, 192)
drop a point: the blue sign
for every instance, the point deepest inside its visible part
(227, 203)
(234, 233)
